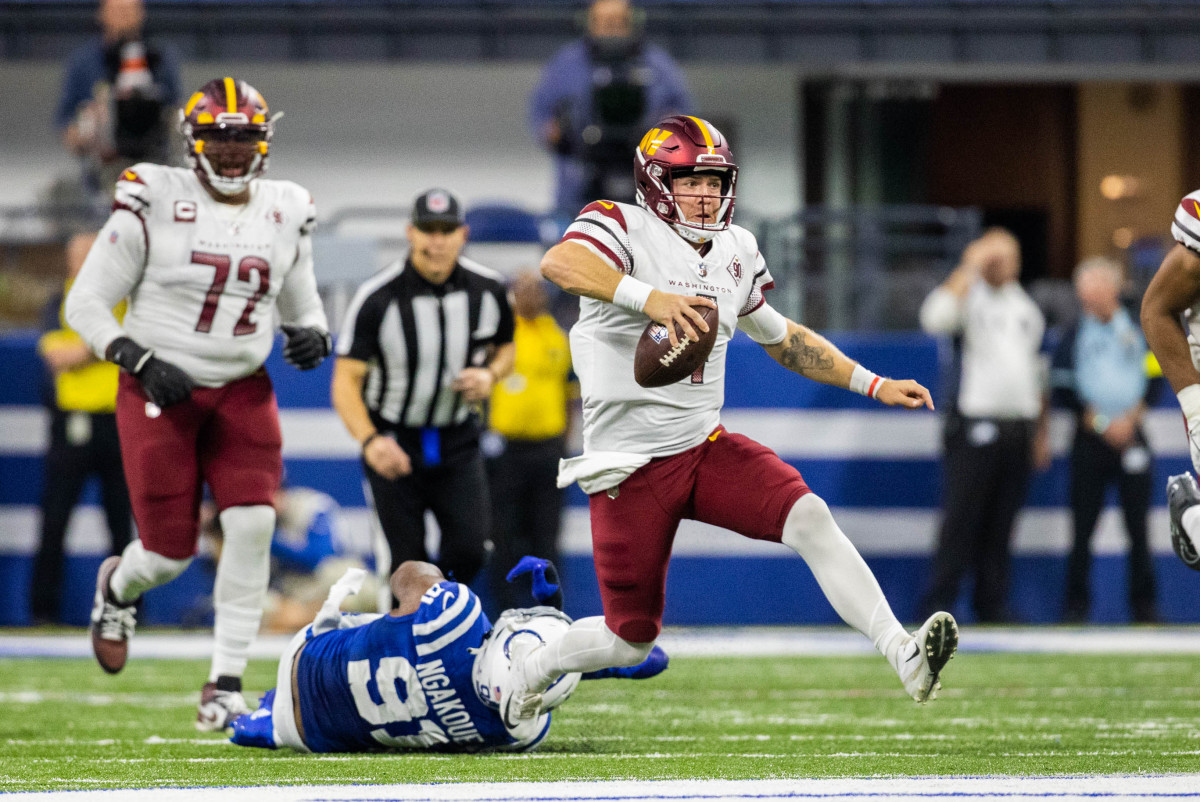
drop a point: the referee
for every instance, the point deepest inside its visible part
(423, 343)
(996, 432)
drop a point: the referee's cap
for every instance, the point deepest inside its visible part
(437, 206)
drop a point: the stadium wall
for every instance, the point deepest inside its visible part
(879, 470)
(378, 134)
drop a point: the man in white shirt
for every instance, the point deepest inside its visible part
(1174, 296)
(205, 255)
(996, 430)
(653, 457)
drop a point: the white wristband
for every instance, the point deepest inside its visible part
(632, 294)
(864, 382)
(1189, 402)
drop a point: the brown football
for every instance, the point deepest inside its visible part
(657, 363)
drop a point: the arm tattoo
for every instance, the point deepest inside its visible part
(800, 357)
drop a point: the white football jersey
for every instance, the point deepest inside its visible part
(203, 278)
(1185, 228)
(618, 414)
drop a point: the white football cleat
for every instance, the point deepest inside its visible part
(218, 709)
(927, 654)
(519, 705)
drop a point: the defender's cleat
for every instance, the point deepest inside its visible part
(218, 709)
(1182, 494)
(519, 705)
(111, 624)
(927, 654)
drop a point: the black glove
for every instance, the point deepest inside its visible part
(306, 347)
(163, 383)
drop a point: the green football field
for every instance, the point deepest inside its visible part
(66, 725)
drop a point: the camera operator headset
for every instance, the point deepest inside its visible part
(595, 99)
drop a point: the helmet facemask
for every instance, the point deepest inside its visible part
(660, 197)
(229, 156)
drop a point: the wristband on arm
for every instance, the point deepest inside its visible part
(632, 294)
(864, 382)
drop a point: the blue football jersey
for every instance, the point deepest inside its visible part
(401, 682)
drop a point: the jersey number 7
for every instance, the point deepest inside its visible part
(221, 264)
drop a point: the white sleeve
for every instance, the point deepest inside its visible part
(112, 269)
(941, 313)
(764, 325)
(299, 303)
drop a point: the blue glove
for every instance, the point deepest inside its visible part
(544, 576)
(652, 666)
(257, 728)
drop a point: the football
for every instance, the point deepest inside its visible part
(657, 363)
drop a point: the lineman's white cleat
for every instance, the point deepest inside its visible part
(519, 705)
(218, 709)
(926, 655)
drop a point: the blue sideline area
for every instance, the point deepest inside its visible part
(718, 589)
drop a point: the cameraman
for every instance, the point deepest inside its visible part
(595, 100)
(117, 100)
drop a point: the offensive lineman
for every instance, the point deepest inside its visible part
(655, 456)
(205, 255)
(437, 650)
(1174, 295)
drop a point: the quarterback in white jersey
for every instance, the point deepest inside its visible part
(206, 256)
(653, 457)
(1174, 296)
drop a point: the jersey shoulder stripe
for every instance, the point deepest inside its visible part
(606, 209)
(134, 189)
(447, 611)
(602, 225)
(1186, 226)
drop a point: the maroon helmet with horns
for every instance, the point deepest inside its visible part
(228, 130)
(673, 148)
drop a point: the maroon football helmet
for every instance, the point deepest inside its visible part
(228, 131)
(676, 147)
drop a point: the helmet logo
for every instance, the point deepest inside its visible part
(653, 140)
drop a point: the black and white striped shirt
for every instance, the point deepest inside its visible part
(416, 337)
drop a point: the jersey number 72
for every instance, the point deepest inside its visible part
(221, 263)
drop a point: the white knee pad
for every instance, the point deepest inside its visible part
(808, 523)
(245, 564)
(141, 570)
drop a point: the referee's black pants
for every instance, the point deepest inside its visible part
(1094, 466)
(527, 511)
(80, 449)
(987, 464)
(457, 494)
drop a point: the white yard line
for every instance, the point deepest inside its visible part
(913, 789)
(704, 642)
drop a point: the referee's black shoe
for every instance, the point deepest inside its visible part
(1183, 494)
